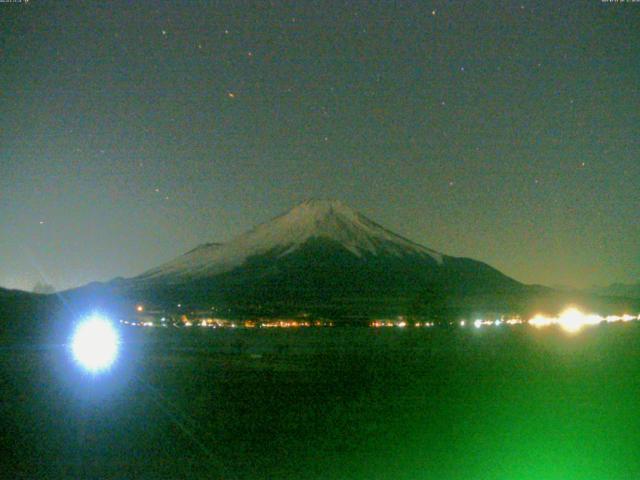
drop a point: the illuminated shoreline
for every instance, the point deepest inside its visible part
(570, 320)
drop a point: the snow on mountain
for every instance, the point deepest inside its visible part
(321, 219)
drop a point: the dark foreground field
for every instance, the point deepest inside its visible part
(342, 403)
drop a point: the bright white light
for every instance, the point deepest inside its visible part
(478, 323)
(541, 321)
(95, 344)
(571, 320)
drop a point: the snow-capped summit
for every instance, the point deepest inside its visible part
(313, 219)
(324, 257)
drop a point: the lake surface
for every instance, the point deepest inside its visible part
(334, 403)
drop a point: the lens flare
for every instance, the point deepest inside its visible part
(95, 344)
(572, 320)
(540, 321)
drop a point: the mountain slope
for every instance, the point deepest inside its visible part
(314, 219)
(629, 290)
(320, 253)
(22, 313)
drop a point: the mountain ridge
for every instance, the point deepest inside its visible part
(618, 289)
(320, 257)
(311, 219)
(320, 253)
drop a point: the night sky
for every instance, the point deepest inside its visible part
(508, 132)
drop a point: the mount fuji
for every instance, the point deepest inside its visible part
(311, 221)
(320, 254)
(321, 258)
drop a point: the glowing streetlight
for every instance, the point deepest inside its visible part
(572, 320)
(541, 321)
(95, 344)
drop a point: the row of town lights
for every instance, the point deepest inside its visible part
(95, 342)
(571, 320)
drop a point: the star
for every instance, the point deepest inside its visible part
(433, 12)
(164, 32)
